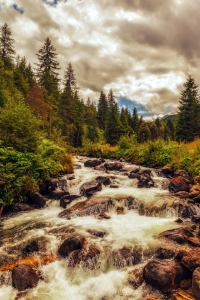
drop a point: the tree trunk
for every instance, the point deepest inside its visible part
(1, 210)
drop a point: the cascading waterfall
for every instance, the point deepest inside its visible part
(114, 247)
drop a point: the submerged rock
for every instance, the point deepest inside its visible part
(104, 180)
(89, 188)
(135, 278)
(31, 247)
(86, 258)
(127, 256)
(115, 166)
(71, 244)
(57, 194)
(24, 277)
(97, 233)
(67, 199)
(145, 181)
(91, 206)
(91, 163)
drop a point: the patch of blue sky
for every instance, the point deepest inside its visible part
(17, 8)
(51, 2)
(141, 109)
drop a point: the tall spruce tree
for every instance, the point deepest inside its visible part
(114, 128)
(135, 120)
(188, 121)
(6, 45)
(47, 74)
(102, 113)
(47, 68)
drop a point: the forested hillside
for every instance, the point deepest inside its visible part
(43, 117)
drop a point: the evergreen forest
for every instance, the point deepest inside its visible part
(43, 119)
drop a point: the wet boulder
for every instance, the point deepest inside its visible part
(135, 278)
(133, 175)
(163, 253)
(165, 275)
(57, 194)
(196, 284)
(97, 233)
(24, 277)
(91, 206)
(89, 188)
(70, 244)
(54, 183)
(192, 259)
(183, 174)
(115, 166)
(178, 235)
(104, 180)
(18, 206)
(77, 166)
(178, 184)
(145, 171)
(135, 170)
(31, 247)
(36, 199)
(91, 163)
(167, 171)
(100, 168)
(86, 258)
(127, 256)
(145, 181)
(67, 199)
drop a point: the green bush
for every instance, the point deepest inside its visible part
(22, 172)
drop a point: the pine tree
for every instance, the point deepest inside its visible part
(6, 45)
(135, 120)
(111, 99)
(70, 86)
(47, 69)
(188, 121)
(102, 114)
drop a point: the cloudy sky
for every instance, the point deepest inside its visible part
(142, 49)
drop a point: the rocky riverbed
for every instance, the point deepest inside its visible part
(111, 230)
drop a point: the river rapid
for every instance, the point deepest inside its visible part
(109, 277)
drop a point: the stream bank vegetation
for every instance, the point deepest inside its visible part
(43, 119)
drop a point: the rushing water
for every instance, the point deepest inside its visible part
(108, 280)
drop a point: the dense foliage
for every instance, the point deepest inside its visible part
(40, 121)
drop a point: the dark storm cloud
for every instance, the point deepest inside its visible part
(142, 49)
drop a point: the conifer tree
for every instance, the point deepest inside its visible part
(111, 99)
(135, 120)
(102, 111)
(6, 45)
(188, 121)
(47, 68)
